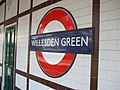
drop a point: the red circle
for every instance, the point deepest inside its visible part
(64, 65)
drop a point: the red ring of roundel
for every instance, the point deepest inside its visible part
(63, 16)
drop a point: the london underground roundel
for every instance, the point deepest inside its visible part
(63, 16)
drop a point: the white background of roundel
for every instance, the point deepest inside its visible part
(51, 57)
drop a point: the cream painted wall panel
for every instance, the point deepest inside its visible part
(103, 54)
(114, 14)
(34, 66)
(118, 23)
(0, 71)
(66, 3)
(102, 74)
(117, 86)
(11, 8)
(1, 42)
(118, 66)
(35, 21)
(24, 5)
(22, 43)
(85, 20)
(37, 86)
(2, 8)
(109, 5)
(114, 35)
(104, 35)
(109, 45)
(77, 5)
(81, 10)
(104, 16)
(114, 55)
(85, 11)
(110, 75)
(118, 44)
(103, 1)
(109, 25)
(106, 85)
(21, 82)
(37, 2)
(107, 65)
